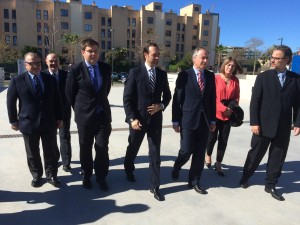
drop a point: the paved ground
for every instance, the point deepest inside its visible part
(130, 204)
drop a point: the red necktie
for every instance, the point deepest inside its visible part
(200, 81)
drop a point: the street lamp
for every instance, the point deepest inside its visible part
(112, 54)
(281, 39)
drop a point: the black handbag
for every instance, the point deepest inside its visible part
(237, 115)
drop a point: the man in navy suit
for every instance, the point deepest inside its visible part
(146, 95)
(193, 115)
(87, 88)
(274, 95)
(52, 62)
(38, 116)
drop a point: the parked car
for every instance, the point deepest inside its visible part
(114, 76)
(123, 76)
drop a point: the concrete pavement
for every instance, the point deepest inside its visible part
(131, 203)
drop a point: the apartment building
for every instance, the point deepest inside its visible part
(43, 23)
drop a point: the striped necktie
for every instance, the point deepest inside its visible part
(200, 81)
(152, 80)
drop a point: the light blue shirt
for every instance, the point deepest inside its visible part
(33, 82)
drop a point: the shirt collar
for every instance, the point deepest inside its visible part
(197, 71)
(88, 65)
(148, 67)
(31, 75)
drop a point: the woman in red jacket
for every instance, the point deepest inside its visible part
(227, 88)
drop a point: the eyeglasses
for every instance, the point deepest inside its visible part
(34, 64)
(276, 58)
(91, 51)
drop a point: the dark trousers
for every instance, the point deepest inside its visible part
(65, 142)
(277, 154)
(135, 140)
(193, 142)
(100, 132)
(33, 153)
(221, 134)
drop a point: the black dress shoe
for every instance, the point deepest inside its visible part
(36, 182)
(53, 181)
(67, 168)
(86, 183)
(274, 194)
(157, 195)
(175, 174)
(199, 190)
(244, 183)
(219, 171)
(103, 185)
(130, 177)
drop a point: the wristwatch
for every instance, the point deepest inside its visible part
(131, 120)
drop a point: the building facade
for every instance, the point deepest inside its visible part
(43, 23)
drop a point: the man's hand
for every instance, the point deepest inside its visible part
(154, 108)
(15, 127)
(136, 125)
(227, 112)
(176, 128)
(296, 131)
(255, 129)
(59, 123)
(212, 127)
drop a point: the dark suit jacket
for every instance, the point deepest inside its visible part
(137, 94)
(30, 107)
(62, 90)
(187, 99)
(83, 97)
(271, 103)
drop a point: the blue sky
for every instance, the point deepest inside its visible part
(240, 20)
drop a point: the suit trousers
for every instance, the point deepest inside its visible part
(278, 147)
(65, 142)
(193, 142)
(99, 132)
(221, 133)
(135, 140)
(33, 153)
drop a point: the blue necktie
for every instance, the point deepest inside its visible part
(94, 77)
(37, 87)
(152, 80)
(281, 79)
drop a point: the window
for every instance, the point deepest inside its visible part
(88, 16)
(177, 47)
(168, 43)
(196, 9)
(87, 27)
(177, 37)
(205, 32)
(149, 31)
(15, 41)
(102, 21)
(169, 22)
(103, 44)
(13, 14)
(133, 44)
(46, 51)
(39, 40)
(40, 51)
(14, 27)
(183, 27)
(45, 14)
(204, 43)
(195, 27)
(128, 33)
(108, 33)
(206, 22)
(128, 44)
(64, 12)
(178, 26)
(109, 22)
(6, 27)
(150, 20)
(46, 28)
(38, 14)
(109, 44)
(194, 37)
(6, 13)
(46, 41)
(194, 47)
(182, 37)
(38, 27)
(64, 25)
(7, 39)
(182, 47)
(102, 33)
(168, 33)
(157, 7)
(128, 21)
(133, 33)
(133, 22)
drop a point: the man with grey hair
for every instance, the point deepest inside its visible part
(194, 115)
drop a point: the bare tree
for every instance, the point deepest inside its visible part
(253, 45)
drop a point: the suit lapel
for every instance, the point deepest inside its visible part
(145, 77)
(287, 79)
(194, 81)
(86, 76)
(28, 83)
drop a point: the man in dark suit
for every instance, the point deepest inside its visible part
(38, 116)
(52, 62)
(274, 95)
(193, 115)
(146, 95)
(87, 88)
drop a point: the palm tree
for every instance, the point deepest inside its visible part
(220, 49)
(72, 42)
